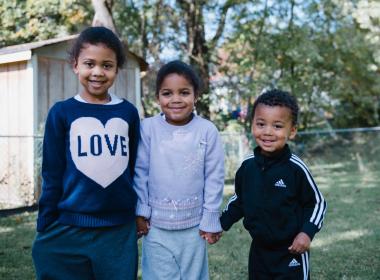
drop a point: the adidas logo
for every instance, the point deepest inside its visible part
(294, 263)
(280, 184)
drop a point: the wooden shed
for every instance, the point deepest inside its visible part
(33, 77)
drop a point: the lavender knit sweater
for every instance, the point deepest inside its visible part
(179, 174)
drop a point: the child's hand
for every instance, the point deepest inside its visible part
(142, 225)
(301, 244)
(210, 237)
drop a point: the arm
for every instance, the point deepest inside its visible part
(53, 168)
(233, 211)
(314, 208)
(214, 183)
(313, 204)
(134, 136)
(140, 180)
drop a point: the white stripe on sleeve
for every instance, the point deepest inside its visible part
(320, 206)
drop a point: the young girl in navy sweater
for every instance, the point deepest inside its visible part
(86, 221)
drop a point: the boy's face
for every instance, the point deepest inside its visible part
(272, 127)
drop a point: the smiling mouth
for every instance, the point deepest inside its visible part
(97, 83)
(268, 141)
(177, 109)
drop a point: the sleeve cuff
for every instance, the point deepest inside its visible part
(143, 210)
(310, 229)
(210, 222)
(225, 222)
(44, 222)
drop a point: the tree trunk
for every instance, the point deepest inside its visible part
(198, 49)
(103, 14)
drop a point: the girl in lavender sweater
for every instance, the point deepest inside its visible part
(179, 178)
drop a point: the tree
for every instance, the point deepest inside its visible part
(158, 25)
(25, 21)
(316, 50)
(103, 14)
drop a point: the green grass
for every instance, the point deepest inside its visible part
(16, 236)
(346, 248)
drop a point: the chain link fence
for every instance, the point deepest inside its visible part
(357, 150)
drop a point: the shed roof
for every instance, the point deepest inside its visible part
(35, 45)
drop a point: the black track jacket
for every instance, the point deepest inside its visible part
(277, 197)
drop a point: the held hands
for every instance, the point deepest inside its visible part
(142, 225)
(301, 244)
(210, 237)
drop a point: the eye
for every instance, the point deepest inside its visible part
(185, 92)
(260, 124)
(165, 93)
(278, 126)
(108, 66)
(89, 64)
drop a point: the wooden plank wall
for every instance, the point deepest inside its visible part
(125, 84)
(56, 82)
(16, 134)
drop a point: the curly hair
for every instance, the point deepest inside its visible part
(182, 69)
(277, 97)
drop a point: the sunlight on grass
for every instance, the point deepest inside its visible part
(328, 166)
(344, 236)
(346, 248)
(6, 229)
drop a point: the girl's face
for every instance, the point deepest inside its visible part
(96, 67)
(176, 98)
(272, 127)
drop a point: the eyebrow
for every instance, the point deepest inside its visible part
(104, 61)
(187, 88)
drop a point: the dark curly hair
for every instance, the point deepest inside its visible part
(182, 69)
(277, 97)
(94, 36)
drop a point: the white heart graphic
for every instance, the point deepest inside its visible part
(101, 152)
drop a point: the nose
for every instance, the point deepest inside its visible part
(176, 98)
(97, 71)
(268, 130)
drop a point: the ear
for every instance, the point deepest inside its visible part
(196, 98)
(75, 67)
(293, 132)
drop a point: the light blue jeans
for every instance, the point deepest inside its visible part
(174, 255)
(64, 252)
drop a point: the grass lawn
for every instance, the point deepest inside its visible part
(346, 248)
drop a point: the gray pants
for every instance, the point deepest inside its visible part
(67, 252)
(174, 255)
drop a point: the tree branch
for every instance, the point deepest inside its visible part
(103, 16)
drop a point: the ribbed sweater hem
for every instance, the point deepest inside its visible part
(99, 220)
(171, 215)
(176, 225)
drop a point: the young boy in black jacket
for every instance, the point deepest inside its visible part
(276, 194)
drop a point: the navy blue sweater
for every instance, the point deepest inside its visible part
(277, 199)
(89, 153)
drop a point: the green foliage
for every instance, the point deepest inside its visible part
(26, 21)
(316, 50)
(325, 52)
